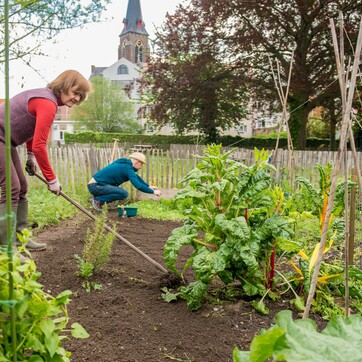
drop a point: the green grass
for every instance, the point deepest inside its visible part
(47, 209)
(160, 210)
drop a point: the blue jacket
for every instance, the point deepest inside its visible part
(119, 172)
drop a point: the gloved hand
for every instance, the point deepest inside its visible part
(30, 166)
(54, 186)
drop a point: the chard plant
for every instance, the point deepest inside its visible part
(330, 282)
(319, 202)
(96, 252)
(299, 340)
(41, 322)
(232, 221)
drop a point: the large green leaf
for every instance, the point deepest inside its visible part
(288, 245)
(299, 341)
(179, 237)
(275, 226)
(349, 329)
(193, 294)
(78, 331)
(237, 227)
(208, 263)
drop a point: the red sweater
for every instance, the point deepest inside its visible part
(44, 111)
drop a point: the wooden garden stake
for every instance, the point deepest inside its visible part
(352, 217)
(344, 130)
(115, 144)
(346, 234)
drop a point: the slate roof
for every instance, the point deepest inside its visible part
(97, 71)
(133, 22)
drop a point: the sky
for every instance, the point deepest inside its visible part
(95, 44)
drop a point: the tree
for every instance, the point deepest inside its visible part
(31, 22)
(275, 28)
(187, 81)
(244, 35)
(106, 109)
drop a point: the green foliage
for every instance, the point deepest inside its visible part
(159, 140)
(273, 135)
(161, 209)
(97, 246)
(58, 209)
(230, 223)
(96, 251)
(196, 91)
(317, 127)
(299, 340)
(106, 109)
(318, 198)
(41, 319)
(86, 272)
(308, 207)
(33, 22)
(47, 209)
(167, 295)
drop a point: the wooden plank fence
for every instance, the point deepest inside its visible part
(75, 164)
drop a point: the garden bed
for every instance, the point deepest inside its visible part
(128, 320)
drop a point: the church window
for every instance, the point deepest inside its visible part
(122, 69)
(138, 52)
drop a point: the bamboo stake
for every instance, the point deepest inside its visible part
(352, 216)
(346, 220)
(283, 100)
(344, 130)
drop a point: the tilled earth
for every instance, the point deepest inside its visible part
(127, 319)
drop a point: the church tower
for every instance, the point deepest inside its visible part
(134, 38)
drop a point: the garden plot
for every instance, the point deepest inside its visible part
(127, 319)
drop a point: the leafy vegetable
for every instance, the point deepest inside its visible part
(299, 340)
(230, 221)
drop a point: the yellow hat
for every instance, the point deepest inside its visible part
(139, 156)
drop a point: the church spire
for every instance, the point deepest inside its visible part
(133, 44)
(133, 21)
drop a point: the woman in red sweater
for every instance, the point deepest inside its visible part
(32, 114)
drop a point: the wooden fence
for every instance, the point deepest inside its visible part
(75, 164)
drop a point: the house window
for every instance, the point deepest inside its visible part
(260, 124)
(241, 128)
(149, 127)
(122, 69)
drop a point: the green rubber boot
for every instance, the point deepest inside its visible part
(3, 233)
(22, 223)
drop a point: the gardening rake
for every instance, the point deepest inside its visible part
(118, 236)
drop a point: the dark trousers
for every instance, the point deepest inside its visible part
(107, 193)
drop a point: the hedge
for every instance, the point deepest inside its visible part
(164, 141)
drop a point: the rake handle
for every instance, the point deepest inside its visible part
(118, 236)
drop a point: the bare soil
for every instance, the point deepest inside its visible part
(128, 320)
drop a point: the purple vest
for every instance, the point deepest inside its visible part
(22, 123)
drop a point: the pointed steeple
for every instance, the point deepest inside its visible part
(133, 44)
(133, 22)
